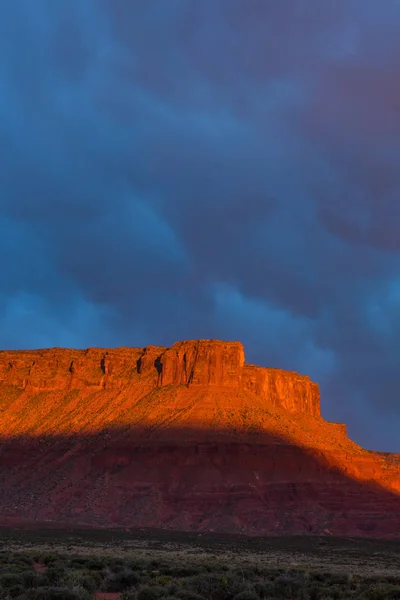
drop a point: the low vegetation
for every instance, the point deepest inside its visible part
(165, 572)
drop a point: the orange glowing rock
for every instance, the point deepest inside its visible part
(187, 437)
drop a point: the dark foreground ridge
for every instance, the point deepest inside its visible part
(185, 438)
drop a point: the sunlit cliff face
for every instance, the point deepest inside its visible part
(179, 429)
(197, 383)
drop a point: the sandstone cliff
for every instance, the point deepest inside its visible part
(207, 364)
(187, 437)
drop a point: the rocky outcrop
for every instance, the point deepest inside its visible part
(187, 437)
(293, 392)
(203, 362)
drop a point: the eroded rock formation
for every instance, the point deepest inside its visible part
(186, 437)
(206, 363)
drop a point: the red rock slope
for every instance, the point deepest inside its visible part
(187, 437)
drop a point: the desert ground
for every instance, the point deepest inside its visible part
(47, 564)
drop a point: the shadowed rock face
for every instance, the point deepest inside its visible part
(187, 437)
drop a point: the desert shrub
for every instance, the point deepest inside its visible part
(338, 591)
(322, 592)
(55, 575)
(315, 592)
(90, 583)
(78, 563)
(246, 595)
(16, 591)
(150, 593)
(339, 579)
(205, 584)
(382, 579)
(172, 588)
(182, 570)
(10, 580)
(210, 567)
(14, 565)
(255, 571)
(382, 591)
(56, 593)
(288, 585)
(216, 586)
(29, 579)
(60, 563)
(237, 584)
(327, 578)
(42, 580)
(319, 577)
(83, 580)
(120, 581)
(163, 579)
(135, 565)
(95, 564)
(392, 579)
(47, 559)
(25, 560)
(265, 589)
(117, 566)
(185, 594)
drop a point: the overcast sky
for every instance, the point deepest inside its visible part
(177, 169)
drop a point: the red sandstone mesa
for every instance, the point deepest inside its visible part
(187, 437)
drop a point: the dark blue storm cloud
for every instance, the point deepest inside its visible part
(217, 169)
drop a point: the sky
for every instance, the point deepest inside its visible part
(225, 169)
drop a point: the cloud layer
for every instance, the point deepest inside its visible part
(223, 169)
